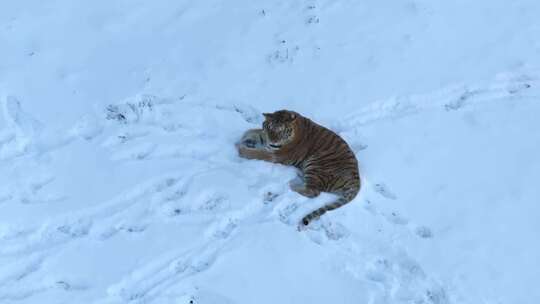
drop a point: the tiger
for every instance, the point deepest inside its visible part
(325, 162)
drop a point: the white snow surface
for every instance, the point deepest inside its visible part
(119, 181)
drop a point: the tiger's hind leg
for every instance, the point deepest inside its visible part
(298, 185)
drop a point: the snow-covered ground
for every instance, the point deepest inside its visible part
(119, 182)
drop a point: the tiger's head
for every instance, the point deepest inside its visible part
(280, 127)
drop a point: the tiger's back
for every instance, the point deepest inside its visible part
(324, 158)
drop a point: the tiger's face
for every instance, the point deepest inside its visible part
(279, 126)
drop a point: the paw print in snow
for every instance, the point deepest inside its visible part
(383, 190)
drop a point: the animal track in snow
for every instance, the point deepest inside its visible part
(269, 197)
(424, 232)
(285, 213)
(383, 190)
(334, 230)
(248, 113)
(284, 53)
(460, 102)
(88, 127)
(22, 129)
(395, 218)
(148, 282)
(449, 99)
(131, 111)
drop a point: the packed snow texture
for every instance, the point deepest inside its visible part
(119, 181)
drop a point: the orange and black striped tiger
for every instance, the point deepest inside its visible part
(325, 161)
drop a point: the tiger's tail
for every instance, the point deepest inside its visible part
(318, 212)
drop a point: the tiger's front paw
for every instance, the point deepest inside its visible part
(244, 151)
